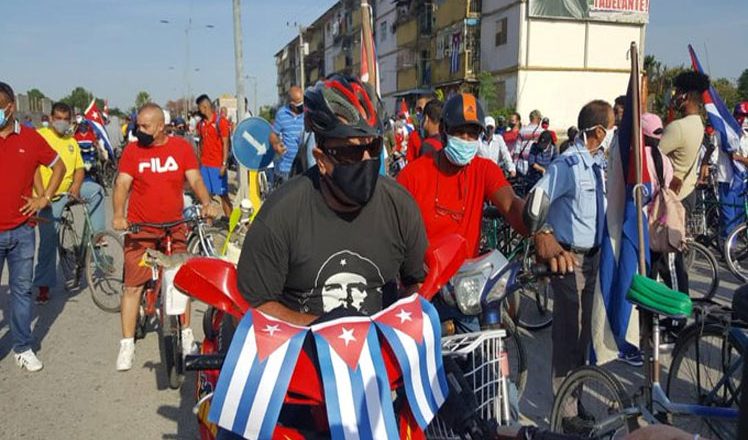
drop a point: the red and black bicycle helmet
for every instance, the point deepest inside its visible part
(462, 109)
(341, 107)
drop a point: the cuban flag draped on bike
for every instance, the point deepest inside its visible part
(95, 119)
(357, 390)
(255, 375)
(725, 124)
(615, 327)
(411, 327)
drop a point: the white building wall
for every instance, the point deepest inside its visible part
(565, 64)
(495, 58)
(386, 14)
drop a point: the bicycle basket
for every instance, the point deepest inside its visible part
(478, 356)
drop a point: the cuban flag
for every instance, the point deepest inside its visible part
(411, 327)
(105, 113)
(455, 61)
(725, 124)
(613, 328)
(357, 391)
(95, 119)
(255, 376)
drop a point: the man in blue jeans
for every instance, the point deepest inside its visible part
(23, 151)
(58, 137)
(286, 135)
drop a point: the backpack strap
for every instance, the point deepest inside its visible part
(657, 159)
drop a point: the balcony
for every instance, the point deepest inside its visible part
(469, 64)
(407, 33)
(407, 78)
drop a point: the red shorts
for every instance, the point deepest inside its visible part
(136, 244)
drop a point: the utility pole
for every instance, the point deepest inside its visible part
(302, 79)
(238, 61)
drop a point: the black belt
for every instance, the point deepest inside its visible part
(587, 252)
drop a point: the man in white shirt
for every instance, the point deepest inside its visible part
(528, 135)
(493, 147)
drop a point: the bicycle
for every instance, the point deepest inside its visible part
(171, 313)
(619, 412)
(700, 263)
(101, 254)
(531, 305)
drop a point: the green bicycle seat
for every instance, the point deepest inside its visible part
(656, 297)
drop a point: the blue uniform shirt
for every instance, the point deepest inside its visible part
(572, 187)
(289, 126)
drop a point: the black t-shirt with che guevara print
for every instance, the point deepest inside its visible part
(312, 260)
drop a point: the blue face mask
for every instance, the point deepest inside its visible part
(3, 117)
(459, 151)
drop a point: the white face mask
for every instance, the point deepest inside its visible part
(607, 140)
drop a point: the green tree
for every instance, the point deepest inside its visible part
(727, 91)
(79, 99)
(35, 94)
(267, 112)
(487, 90)
(743, 86)
(142, 98)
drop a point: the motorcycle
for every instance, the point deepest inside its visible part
(213, 281)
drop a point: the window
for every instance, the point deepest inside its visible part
(501, 31)
(383, 31)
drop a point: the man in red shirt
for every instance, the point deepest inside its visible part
(214, 151)
(23, 151)
(152, 172)
(414, 139)
(511, 135)
(451, 185)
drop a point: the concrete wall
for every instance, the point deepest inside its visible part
(496, 58)
(386, 12)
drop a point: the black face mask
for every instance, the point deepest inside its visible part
(298, 109)
(357, 181)
(144, 139)
(511, 125)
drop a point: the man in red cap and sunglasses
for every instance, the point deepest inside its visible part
(339, 236)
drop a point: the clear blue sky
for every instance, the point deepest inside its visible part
(116, 48)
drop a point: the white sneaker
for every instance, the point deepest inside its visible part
(126, 353)
(29, 361)
(188, 342)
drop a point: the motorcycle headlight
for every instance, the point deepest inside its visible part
(468, 288)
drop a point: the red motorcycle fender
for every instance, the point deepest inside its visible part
(212, 281)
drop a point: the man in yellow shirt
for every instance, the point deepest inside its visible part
(58, 136)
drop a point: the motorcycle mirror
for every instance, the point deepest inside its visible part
(443, 258)
(212, 281)
(536, 209)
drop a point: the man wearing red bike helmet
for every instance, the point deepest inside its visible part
(338, 237)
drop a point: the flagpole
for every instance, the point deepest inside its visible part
(368, 43)
(636, 142)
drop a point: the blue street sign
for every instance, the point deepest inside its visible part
(251, 144)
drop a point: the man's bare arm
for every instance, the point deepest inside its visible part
(511, 207)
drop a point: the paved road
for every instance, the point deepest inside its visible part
(80, 395)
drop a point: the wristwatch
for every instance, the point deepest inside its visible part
(546, 229)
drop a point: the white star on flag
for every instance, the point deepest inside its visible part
(95, 115)
(271, 329)
(343, 262)
(404, 316)
(347, 336)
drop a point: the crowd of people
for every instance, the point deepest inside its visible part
(337, 237)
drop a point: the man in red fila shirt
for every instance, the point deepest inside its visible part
(152, 172)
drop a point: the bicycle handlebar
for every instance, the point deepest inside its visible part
(136, 227)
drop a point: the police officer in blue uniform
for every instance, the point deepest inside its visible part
(575, 185)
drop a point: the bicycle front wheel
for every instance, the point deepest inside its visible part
(105, 270)
(517, 353)
(214, 236)
(706, 370)
(590, 403)
(703, 274)
(67, 248)
(535, 305)
(736, 252)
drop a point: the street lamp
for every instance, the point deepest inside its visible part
(187, 70)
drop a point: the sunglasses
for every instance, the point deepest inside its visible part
(347, 154)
